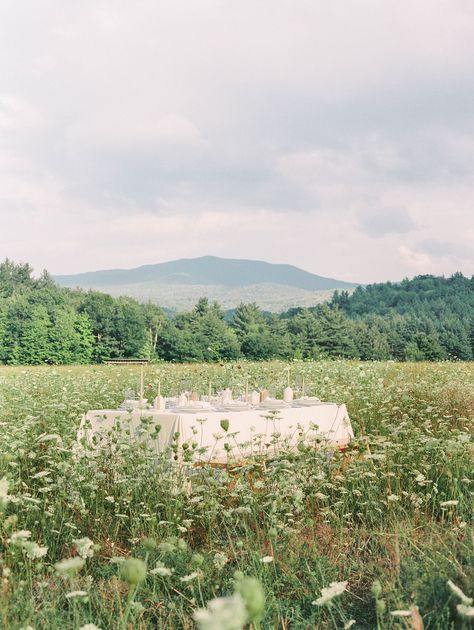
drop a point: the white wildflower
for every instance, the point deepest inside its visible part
(448, 503)
(327, 594)
(393, 498)
(3, 492)
(161, 570)
(34, 551)
(220, 560)
(459, 593)
(69, 566)
(266, 559)
(20, 536)
(74, 594)
(191, 576)
(85, 547)
(349, 624)
(42, 473)
(89, 626)
(401, 613)
(222, 613)
(465, 611)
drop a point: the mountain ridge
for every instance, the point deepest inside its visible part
(179, 283)
(251, 272)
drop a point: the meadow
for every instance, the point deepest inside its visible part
(377, 537)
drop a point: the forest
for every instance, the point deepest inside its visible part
(426, 318)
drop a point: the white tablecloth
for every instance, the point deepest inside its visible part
(250, 432)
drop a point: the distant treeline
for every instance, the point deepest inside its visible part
(427, 318)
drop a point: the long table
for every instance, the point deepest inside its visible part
(250, 433)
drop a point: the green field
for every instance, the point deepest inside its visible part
(392, 516)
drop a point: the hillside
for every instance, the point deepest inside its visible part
(422, 319)
(428, 295)
(179, 284)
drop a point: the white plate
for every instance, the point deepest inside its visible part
(192, 409)
(307, 402)
(234, 408)
(272, 404)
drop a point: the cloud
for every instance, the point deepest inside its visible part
(383, 221)
(441, 249)
(330, 140)
(17, 113)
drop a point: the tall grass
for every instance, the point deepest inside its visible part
(395, 510)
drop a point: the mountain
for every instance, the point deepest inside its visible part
(180, 283)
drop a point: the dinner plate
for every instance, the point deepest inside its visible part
(307, 402)
(192, 409)
(273, 404)
(234, 408)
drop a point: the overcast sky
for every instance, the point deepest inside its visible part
(336, 135)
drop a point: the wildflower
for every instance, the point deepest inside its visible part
(74, 594)
(19, 537)
(85, 547)
(392, 498)
(220, 560)
(328, 594)
(459, 593)
(34, 551)
(401, 613)
(133, 571)
(191, 576)
(266, 559)
(222, 613)
(69, 566)
(42, 473)
(465, 611)
(253, 595)
(3, 492)
(161, 570)
(89, 626)
(349, 624)
(448, 503)
(166, 546)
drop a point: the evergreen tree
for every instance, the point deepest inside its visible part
(335, 336)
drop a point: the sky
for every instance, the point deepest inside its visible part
(336, 135)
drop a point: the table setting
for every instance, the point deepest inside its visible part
(191, 418)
